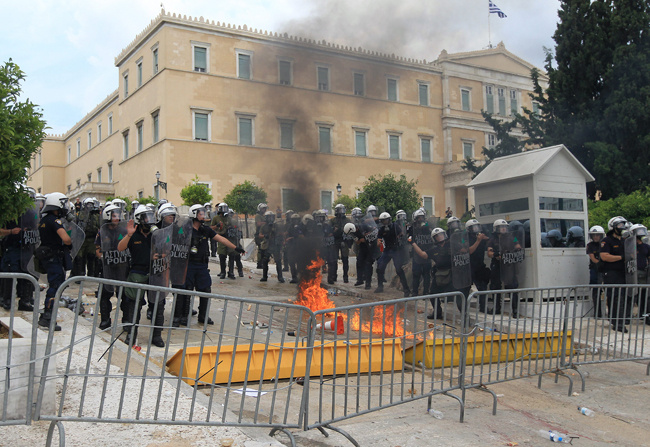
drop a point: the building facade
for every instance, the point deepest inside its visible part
(228, 104)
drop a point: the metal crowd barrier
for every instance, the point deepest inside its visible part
(374, 356)
(18, 353)
(231, 373)
(281, 366)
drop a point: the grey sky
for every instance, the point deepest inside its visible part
(67, 49)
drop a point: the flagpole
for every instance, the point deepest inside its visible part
(489, 32)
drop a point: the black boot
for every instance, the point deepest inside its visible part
(157, 339)
(46, 318)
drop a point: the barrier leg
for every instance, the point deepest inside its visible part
(647, 371)
(582, 378)
(494, 398)
(50, 434)
(557, 373)
(344, 433)
(462, 405)
(286, 432)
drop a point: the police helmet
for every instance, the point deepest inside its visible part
(372, 210)
(453, 223)
(112, 211)
(515, 225)
(438, 235)
(166, 210)
(319, 216)
(473, 226)
(55, 201)
(349, 228)
(419, 213)
(400, 215)
(339, 210)
(88, 203)
(618, 221)
(222, 208)
(197, 212)
(269, 217)
(639, 230)
(307, 218)
(143, 215)
(500, 226)
(385, 218)
(596, 230)
(555, 238)
(357, 213)
(288, 214)
(261, 207)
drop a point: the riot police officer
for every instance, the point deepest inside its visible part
(612, 253)
(219, 224)
(271, 242)
(293, 234)
(477, 248)
(259, 221)
(389, 234)
(500, 231)
(85, 262)
(53, 253)
(285, 249)
(341, 244)
(421, 267)
(575, 237)
(440, 254)
(360, 249)
(640, 232)
(596, 235)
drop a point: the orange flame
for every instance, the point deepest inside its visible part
(311, 294)
(385, 322)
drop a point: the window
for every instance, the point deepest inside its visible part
(325, 139)
(90, 139)
(323, 78)
(427, 203)
(99, 132)
(69, 154)
(360, 142)
(535, 108)
(492, 140)
(140, 131)
(285, 72)
(286, 135)
(468, 149)
(514, 107)
(560, 204)
(393, 147)
(201, 59)
(78, 147)
(156, 192)
(99, 175)
(489, 99)
(562, 225)
(425, 149)
(78, 182)
(110, 124)
(243, 65)
(503, 207)
(245, 131)
(423, 94)
(201, 121)
(110, 172)
(465, 100)
(501, 93)
(126, 85)
(154, 59)
(287, 198)
(90, 177)
(125, 144)
(326, 200)
(140, 194)
(391, 88)
(139, 72)
(359, 87)
(155, 124)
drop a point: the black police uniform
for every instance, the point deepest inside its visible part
(342, 244)
(619, 301)
(52, 256)
(480, 273)
(495, 280)
(421, 235)
(293, 233)
(197, 277)
(139, 246)
(11, 263)
(595, 276)
(271, 242)
(392, 236)
(642, 299)
(441, 281)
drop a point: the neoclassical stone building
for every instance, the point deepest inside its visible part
(229, 104)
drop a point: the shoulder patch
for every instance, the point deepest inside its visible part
(58, 221)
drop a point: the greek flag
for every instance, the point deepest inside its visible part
(494, 9)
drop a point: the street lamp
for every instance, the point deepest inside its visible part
(160, 184)
(338, 189)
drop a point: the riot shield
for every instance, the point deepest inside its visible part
(180, 249)
(369, 229)
(511, 248)
(161, 247)
(461, 272)
(233, 230)
(115, 263)
(76, 234)
(31, 239)
(629, 245)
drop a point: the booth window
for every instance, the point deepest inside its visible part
(560, 204)
(503, 207)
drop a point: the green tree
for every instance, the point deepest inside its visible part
(390, 194)
(635, 207)
(244, 198)
(508, 144)
(195, 192)
(22, 130)
(597, 98)
(347, 201)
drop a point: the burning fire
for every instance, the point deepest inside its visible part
(385, 322)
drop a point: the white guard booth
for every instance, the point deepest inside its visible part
(544, 189)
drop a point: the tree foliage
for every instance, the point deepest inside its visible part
(597, 99)
(508, 144)
(245, 197)
(196, 192)
(390, 194)
(347, 201)
(22, 130)
(635, 207)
